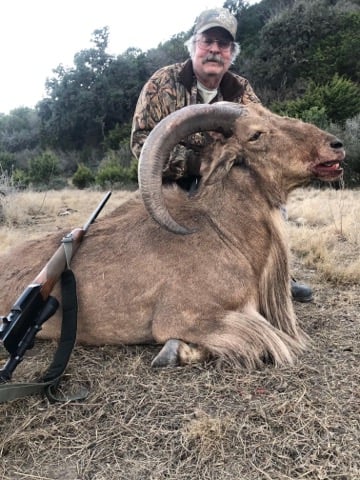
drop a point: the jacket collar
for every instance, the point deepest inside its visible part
(230, 88)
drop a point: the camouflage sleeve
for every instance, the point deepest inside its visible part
(246, 92)
(153, 105)
(249, 95)
(157, 100)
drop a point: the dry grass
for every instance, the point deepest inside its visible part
(35, 213)
(325, 232)
(211, 421)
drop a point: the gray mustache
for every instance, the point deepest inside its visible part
(213, 58)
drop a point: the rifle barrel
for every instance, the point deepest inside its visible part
(96, 212)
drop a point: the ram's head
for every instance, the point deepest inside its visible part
(282, 152)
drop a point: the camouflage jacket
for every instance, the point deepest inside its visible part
(169, 89)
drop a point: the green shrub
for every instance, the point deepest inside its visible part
(350, 135)
(20, 178)
(118, 135)
(133, 170)
(334, 102)
(118, 168)
(7, 162)
(341, 98)
(112, 175)
(43, 168)
(83, 177)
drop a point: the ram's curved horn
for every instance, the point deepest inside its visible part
(163, 138)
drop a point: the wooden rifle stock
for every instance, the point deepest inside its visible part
(52, 271)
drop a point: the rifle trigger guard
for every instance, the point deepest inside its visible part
(67, 243)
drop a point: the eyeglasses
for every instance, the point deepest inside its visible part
(205, 43)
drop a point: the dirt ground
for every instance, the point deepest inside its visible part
(204, 422)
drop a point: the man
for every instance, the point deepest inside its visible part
(204, 78)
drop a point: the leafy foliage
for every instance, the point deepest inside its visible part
(7, 162)
(43, 169)
(335, 52)
(350, 135)
(19, 130)
(301, 43)
(112, 174)
(133, 171)
(87, 101)
(336, 101)
(20, 178)
(74, 112)
(115, 137)
(112, 171)
(83, 177)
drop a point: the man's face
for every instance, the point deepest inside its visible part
(213, 53)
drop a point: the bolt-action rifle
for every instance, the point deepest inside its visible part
(35, 305)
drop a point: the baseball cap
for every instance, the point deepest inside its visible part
(216, 17)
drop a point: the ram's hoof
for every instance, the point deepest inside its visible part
(168, 355)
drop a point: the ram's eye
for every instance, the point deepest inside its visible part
(255, 136)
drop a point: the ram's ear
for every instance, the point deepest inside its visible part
(218, 137)
(217, 163)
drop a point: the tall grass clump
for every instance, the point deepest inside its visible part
(325, 232)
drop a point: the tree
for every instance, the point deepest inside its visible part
(301, 43)
(73, 114)
(172, 51)
(7, 162)
(87, 101)
(335, 52)
(19, 130)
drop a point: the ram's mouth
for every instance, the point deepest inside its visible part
(330, 169)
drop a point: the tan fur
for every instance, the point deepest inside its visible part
(224, 288)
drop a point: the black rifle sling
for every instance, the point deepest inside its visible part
(50, 380)
(67, 339)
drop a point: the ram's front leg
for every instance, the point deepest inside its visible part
(176, 352)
